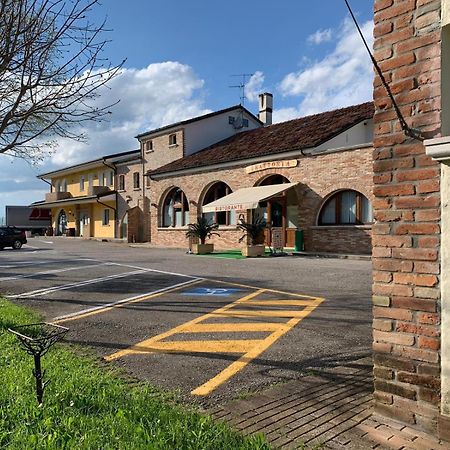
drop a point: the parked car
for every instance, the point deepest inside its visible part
(12, 237)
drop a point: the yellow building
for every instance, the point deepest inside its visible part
(84, 198)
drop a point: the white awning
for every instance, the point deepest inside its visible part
(247, 198)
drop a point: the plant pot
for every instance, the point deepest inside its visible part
(250, 251)
(202, 249)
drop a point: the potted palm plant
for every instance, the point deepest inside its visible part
(254, 236)
(200, 231)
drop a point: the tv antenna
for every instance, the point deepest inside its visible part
(244, 77)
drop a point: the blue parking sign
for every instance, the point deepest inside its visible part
(211, 291)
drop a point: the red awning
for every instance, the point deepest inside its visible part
(40, 214)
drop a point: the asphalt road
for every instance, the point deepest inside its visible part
(211, 328)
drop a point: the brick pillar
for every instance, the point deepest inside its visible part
(406, 234)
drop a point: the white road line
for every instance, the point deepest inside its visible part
(31, 246)
(48, 272)
(63, 287)
(24, 264)
(19, 264)
(125, 300)
(155, 270)
(45, 242)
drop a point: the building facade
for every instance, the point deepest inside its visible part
(85, 200)
(154, 193)
(327, 156)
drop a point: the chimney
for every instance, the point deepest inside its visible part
(265, 108)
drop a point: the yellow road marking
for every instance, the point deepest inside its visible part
(231, 283)
(245, 359)
(180, 328)
(119, 305)
(231, 327)
(219, 346)
(251, 348)
(282, 302)
(265, 313)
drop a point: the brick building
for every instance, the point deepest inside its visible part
(327, 156)
(320, 168)
(411, 305)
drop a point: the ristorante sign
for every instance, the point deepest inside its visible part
(272, 165)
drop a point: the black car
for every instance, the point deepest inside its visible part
(12, 237)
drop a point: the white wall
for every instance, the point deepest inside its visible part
(202, 133)
(445, 288)
(362, 133)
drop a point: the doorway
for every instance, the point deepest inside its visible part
(84, 224)
(279, 212)
(61, 225)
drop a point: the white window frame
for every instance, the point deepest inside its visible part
(173, 140)
(149, 146)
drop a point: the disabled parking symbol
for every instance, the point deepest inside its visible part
(211, 291)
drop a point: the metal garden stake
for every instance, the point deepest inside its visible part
(36, 339)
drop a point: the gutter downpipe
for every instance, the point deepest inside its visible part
(116, 219)
(48, 182)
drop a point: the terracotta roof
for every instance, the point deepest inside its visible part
(113, 157)
(303, 133)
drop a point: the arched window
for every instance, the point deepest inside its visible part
(216, 191)
(274, 179)
(61, 225)
(175, 211)
(346, 208)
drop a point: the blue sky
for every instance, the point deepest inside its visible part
(180, 56)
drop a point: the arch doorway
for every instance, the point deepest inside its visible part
(61, 223)
(280, 212)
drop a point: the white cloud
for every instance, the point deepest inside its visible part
(342, 78)
(157, 95)
(254, 86)
(320, 36)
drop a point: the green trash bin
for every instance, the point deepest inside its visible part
(299, 243)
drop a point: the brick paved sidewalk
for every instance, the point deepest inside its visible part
(330, 410)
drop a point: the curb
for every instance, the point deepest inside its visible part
(333, 255)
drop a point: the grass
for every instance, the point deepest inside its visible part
(87, 406)
(232, 254)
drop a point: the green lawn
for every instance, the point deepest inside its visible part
(87, 406)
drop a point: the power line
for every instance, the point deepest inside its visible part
(411, 132)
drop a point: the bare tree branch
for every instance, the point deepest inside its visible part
(51, 71)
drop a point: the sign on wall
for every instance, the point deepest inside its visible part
(277, 238)
(272, 165)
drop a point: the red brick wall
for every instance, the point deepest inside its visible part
(129, 198)
(318, 176)
(406, 235)
(354, 240)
